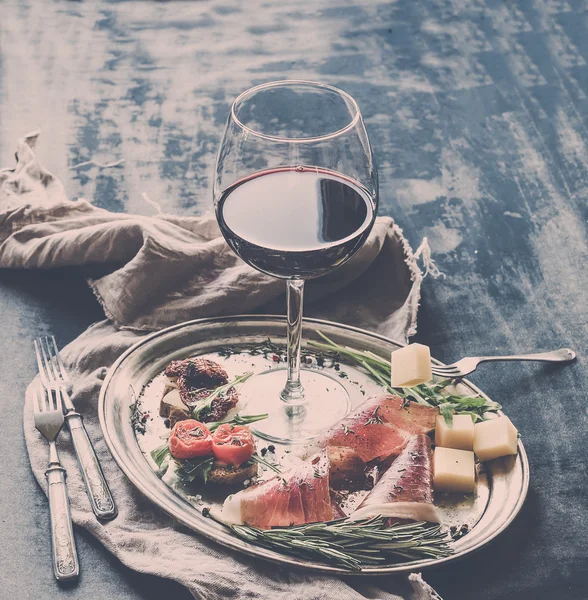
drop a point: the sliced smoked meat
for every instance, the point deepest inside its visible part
(405, 490)
(377, 430)
(299, 495)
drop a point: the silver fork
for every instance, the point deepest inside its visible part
(49, 420)
(468, 365)
(54, 377)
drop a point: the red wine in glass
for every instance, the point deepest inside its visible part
(295, 221)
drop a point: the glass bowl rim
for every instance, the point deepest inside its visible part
(355, 116)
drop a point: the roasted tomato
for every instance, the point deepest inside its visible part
(189, 439)
(233, 444)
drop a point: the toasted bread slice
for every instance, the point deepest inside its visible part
(171, 399)
(178, 414)
(229, 475)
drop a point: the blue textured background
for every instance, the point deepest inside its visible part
(478, 113)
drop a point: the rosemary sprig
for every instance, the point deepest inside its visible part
(349, 544)
(258, 459)
(237, 420)
(272, 467)
(138, 418)
(375, 419)
(203, 406)
(265, 348)
(434, 394)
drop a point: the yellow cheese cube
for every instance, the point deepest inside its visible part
(411, 365)
(460, 435)
(495, 438)
(453, 470)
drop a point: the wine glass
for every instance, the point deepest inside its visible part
(295, 195)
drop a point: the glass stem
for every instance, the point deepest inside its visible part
(293, 393)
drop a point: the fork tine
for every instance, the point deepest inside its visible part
(44, 360)
(40, 365)
(49, 404)
(446, 370)
(46, 350)
(37, 408)
(45, 401)
(59, 362)
(58, 399)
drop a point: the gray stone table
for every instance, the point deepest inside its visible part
(478, 114)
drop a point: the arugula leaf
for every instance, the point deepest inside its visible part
(446, 410)
(188, 470)
(441, 385)
(469, 401)
(160, 454)
(475, 416)
(412, 394)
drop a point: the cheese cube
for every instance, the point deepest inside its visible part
(453, 470)
(411, 365)
(460, 435)
(495, 438)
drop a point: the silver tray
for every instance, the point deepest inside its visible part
(502, 486)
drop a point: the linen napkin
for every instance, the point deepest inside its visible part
(158, 271)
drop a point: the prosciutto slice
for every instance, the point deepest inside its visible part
(299, 495)
(405, 490)
(377, 430)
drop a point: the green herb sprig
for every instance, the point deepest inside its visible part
(264, 348)
(160, 454)
(349, 544)
(237, 420)
(204, 406)
(187, 469)
(261, 461)
(138, 418)
(429, 395)
(271, 466)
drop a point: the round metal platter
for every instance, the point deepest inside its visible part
(502, 483)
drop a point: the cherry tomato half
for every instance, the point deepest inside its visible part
(233, 444)
(190, 439)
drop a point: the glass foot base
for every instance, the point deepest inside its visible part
(326, 402)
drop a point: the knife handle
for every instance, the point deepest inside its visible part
(98, 491)
(65, 557)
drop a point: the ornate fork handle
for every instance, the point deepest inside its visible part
(65, 557)
(98, 491)
(561, 355)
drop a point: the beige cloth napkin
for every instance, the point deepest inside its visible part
(158, 271)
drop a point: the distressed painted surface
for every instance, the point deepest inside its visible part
(478, 114)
